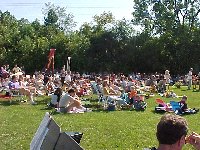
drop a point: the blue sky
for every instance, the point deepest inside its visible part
(83, 10)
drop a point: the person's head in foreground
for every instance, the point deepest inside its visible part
(171, 133)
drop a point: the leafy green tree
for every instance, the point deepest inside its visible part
(164, 15)
(170, 39)
(51, 18)
(8, 30)
(86, 29)
(79, 44)
(123, 32)
(101, 42)
(109, 44)
(57, 16)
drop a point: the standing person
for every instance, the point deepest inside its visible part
(167, 76)
(190, 78)
(99, 86)
(62, 74)
(16, 69)
(172, 131)
(68, 77)
(8, 68)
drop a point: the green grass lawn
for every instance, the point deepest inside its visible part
(102, 130)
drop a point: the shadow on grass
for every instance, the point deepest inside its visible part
(47, 108)
(183, 90)
(8, 103)
(95, 106)
(53, 113)
(43, 101)
(158, 112)
(93, 100)
(195, 91)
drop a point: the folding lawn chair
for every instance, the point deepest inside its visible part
(16, 93)
(162, 106)
(102, 98)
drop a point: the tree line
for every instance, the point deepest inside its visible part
(169, 39)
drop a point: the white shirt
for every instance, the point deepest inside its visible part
(62, 73)
(66, 100)
(130, 83)
(167, 77)
(190, 75)
(68, 78)
(16, 69)
(99, 88)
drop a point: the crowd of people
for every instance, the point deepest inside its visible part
(67, 87)
(109, 84)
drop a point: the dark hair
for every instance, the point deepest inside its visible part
(71, 91)
(58, 91)
(13, 77)
(171, 128)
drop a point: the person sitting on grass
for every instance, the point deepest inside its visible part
(139, 103)
(172, 134)
(169, 94)
(69, 101)
(55, 98)
(184, 107)
(15, 85)
(50, 86)
(112, 95)
(3, 72)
